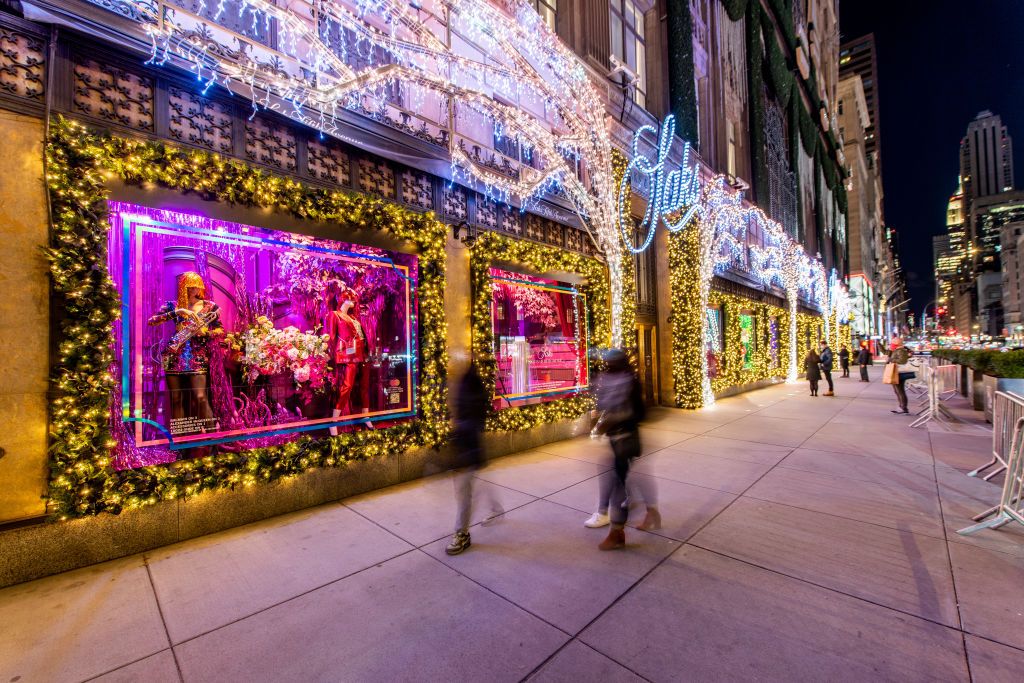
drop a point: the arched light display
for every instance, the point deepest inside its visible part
(493, 62)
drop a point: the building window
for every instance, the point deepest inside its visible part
(629, 46)
(548, 11)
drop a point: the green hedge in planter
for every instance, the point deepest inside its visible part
(1009, 364)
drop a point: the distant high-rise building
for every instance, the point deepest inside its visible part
(986, 157)
(858, 57)
(956, 230)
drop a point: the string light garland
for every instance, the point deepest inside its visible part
(82, 480)
(730, 234)
(502, 65)
(491, 248)
(732, 370)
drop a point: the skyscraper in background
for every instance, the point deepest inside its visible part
(858, 57)
(986, 157)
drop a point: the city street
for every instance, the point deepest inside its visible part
(804, 539)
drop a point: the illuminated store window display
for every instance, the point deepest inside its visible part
(540, 338)
(234, 337)
(748, 338)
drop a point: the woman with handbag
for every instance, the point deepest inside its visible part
(897, 371)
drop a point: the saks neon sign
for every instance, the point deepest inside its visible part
(673, 193)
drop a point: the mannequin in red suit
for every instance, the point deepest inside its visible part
(349, 352)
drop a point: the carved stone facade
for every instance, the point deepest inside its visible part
(270, 143)
(199, 121)
(22, 58)
(113, 94)
(328, 161)
(417, 189)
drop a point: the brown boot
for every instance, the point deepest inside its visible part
(616, 539)
(652, 522)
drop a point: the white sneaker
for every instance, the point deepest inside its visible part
(597, 520)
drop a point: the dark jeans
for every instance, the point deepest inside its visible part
(901, 389)
(828, 377)
(846, 368)
(864, 373)
(814, 385)
(625, 447)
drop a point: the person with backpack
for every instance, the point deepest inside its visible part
(621, 410)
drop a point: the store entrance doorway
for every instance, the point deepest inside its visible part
(646, 337)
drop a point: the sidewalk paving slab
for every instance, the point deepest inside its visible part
(962, 498)
(994, 663)
(80, 624)
(158, 668)
(722, 474)
(888, 436)
(684, 508)
(772, 430)
(887, 505)
(733, 621)
(864, 467)
(734, 449)
(988, 586)
(537, 473)
(897, 569)
(577, 662)
(407, 619)
(214, 580)
(421, 511)
(541, 558)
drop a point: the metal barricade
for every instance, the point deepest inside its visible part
(939, 381)
(1010, 507)
(1007, 409)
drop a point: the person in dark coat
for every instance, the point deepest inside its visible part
(621, 406)
(844, 361)
(864, 360)
(826, 366)
(812, 367)
(470, 415)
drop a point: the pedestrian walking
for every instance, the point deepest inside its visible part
(638, 491)
(864, 360)
(897, 371)
(621, 408)
(826, 366)
(470, 415)
(812, 366)
(844, 361)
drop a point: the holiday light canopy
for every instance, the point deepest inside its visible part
(493, 63)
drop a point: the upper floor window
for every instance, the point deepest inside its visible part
(629, 46)
(548, 10)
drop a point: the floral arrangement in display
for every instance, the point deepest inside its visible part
(534, 305)
(270, 351)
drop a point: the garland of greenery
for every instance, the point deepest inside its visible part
(732, 371)
(755, 79)
(682, 94)
(82, 480)
(491, 248)
(686, 318)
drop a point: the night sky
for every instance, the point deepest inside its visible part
(939, 63)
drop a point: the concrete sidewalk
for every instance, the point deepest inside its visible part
(804, 539)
